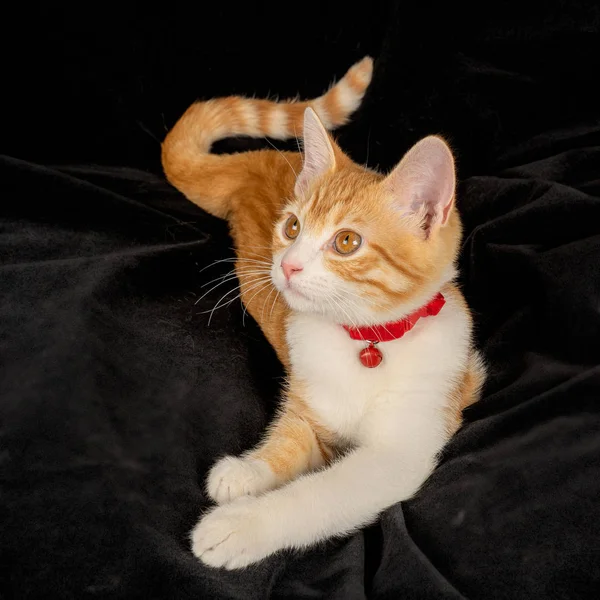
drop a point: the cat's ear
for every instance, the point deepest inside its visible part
(319, 157)
(422, 185)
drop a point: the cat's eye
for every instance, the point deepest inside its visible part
(292, 227)
(347, 242)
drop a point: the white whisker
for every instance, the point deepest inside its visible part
(247, 304)
(218, 304)
(339, 305)
(235, 259)
(231, 278)
(256, 255)
(228, 274)
(247, 271)
(262, 314)
(227, 279)
(273, 305)
(284, 156)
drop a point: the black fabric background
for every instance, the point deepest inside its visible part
(116, 395)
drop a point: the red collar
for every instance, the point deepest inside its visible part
(396, 329)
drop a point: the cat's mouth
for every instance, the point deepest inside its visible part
(296, 297)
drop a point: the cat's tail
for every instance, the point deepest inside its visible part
(206, 178)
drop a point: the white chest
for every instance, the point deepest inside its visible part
(417, 370)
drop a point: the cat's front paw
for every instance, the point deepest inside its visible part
(234, 535)
(232, 477)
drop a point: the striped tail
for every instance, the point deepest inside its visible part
(186, 157)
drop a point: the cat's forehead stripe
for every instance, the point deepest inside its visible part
(342, 195)
(329, 207)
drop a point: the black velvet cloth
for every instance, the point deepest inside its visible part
(116, 394)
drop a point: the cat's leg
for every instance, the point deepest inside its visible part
(393, 462)
(291, 446)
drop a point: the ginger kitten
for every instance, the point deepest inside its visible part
(359, 302)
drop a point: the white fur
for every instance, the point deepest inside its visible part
(392, 416)
(347, 98)
(250, 119)
(278, 123)
(232, 477)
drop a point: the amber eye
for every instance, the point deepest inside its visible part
(292, 227)
(347, 242)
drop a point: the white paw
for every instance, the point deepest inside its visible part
(234, 535)
(232, 477)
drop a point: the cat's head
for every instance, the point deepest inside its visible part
(362, 248)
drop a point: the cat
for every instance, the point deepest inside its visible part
(358, 297)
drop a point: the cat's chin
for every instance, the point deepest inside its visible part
(298, 301)
(307, 306)
(302, 303)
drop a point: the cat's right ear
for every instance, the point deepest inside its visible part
(422, 185)
(319, 157)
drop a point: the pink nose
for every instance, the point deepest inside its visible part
(289, 269)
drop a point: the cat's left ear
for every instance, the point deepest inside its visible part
(319, 156)
(423, 183)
